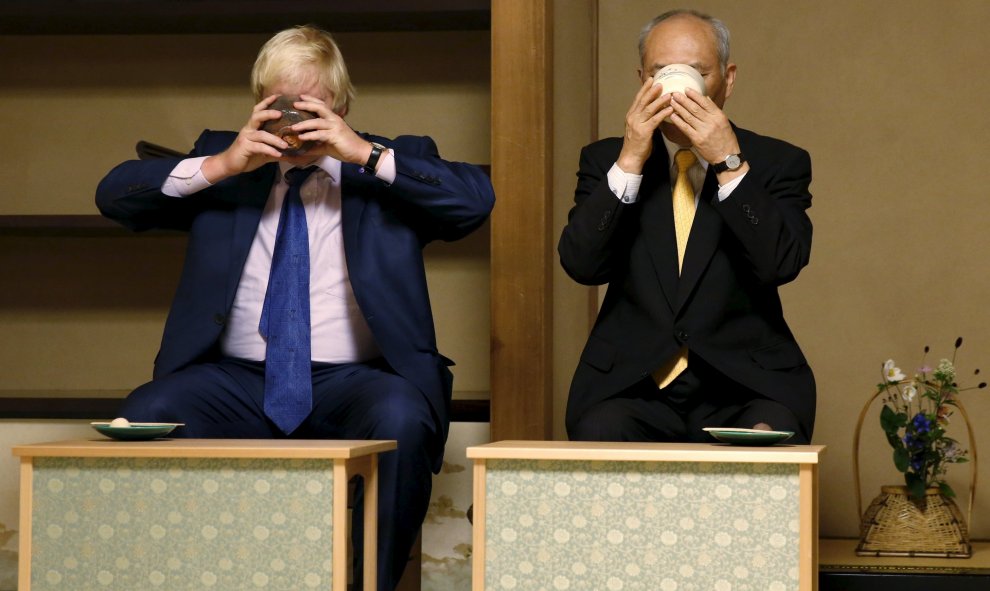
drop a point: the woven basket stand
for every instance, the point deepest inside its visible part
(895, 525)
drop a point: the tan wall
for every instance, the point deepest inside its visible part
(573, 124)
(83, 313)
(890, 99)
(896, 260)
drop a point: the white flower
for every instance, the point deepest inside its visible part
(891, 372)
(909, 392)
(945, 371)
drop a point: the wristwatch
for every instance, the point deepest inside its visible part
(731, 162)
(376, 153)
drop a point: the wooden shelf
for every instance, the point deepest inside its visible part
(69, 225)
(72, 17)
(841, 570)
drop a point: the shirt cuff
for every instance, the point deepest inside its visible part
(186, 178)
(386, 168)
(624, 185)
(725, 190)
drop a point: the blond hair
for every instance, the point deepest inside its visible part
(303, 55)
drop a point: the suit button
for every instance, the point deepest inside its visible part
(219, 319)
(745, 207)
(754, 220)
(682, 336)
(604, 221)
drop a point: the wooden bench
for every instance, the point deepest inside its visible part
(207, 514)
(654, 516)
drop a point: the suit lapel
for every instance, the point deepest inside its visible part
(351, 211)
(657, 222)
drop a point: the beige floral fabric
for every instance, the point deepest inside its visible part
(641, 526)
(181, 524)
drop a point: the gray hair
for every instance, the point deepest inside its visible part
(719, 29)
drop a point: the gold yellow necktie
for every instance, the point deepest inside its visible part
(683, 202)
(683, 218)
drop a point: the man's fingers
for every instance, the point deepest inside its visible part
(269, 139)
(265, 103)
(685, 108)
(642, 91)
(704, 102)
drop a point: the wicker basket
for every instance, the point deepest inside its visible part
(896, 525)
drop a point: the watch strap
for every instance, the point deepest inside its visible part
(376, 153)
(724, 165)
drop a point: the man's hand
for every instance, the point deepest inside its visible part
(708, 128)
(647, 111)
(332, 135)
(252, 148)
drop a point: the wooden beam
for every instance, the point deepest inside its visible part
(73, 17)
(522, 254)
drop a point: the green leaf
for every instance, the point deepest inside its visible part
(901, 459)
(891, 421)
(946, 490)
(915, 486)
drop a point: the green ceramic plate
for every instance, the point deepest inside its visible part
(136, 431)
(737, 436)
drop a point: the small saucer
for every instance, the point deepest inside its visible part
(739, 436)
(136, 431)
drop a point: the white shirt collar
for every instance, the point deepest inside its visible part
(673, 148)
(329, 165)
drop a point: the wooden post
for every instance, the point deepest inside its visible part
(522, 253)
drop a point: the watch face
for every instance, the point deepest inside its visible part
(733, 162)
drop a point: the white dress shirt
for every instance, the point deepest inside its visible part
(340, 333)
(625, 185)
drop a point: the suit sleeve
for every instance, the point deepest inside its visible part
(445, 200)
(595, 238)
(767, 214)
(131, 193)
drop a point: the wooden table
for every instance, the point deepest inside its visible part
(202, 514)
(841, 570)
(644, 516)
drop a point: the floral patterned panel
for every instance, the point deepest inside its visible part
(641, 526)
(181, 524)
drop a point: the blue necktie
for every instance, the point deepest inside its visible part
(285, 321)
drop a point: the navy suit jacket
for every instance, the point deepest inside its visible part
(724, 306)
(385, 228)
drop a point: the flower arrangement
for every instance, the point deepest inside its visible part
(915, 414)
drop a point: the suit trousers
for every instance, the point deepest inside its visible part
(225, 399)
(699, 397)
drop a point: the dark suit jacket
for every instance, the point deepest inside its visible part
(724, 307)
(385, 229)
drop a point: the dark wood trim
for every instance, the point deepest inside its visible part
(92, 224)
(58, 408)
(69, 225)
(468, 411)
(111, 17)
(862, 581)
